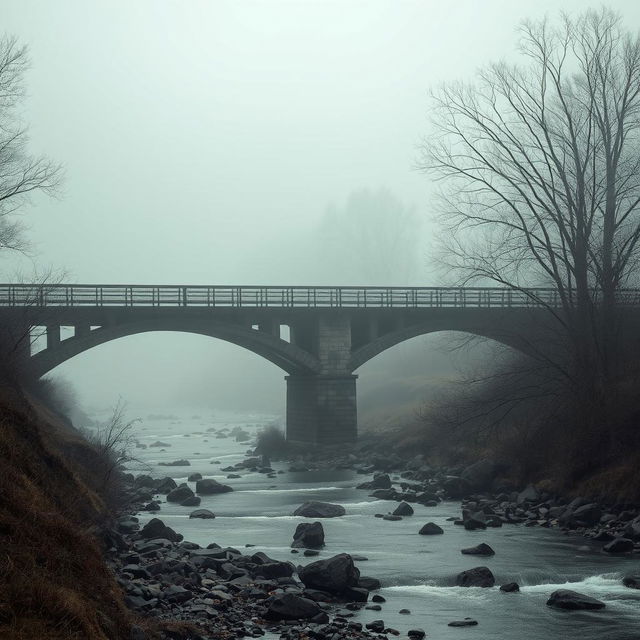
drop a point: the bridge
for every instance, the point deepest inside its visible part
(318, 335)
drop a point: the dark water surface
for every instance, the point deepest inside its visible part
(417, 572)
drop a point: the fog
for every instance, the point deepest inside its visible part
(242, 142)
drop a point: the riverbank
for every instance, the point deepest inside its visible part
(260, 511)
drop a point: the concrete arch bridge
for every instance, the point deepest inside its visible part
(318, 335)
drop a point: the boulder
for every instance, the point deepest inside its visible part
(308, 535)
(476, 577)
(175, 463)
(376, 625)
(510, 587)
(530, 494)
(480, 475)
(205, 514)
(319, 510)
(403, 509)
(191, 501)
(587, 515)
(416, 634)
(631, 581)
(333, 574)
(467, 622)
(619, 545)
(155, 528)
(473, 521)
(567, 599)
(288, 606)
(165, 485)
(180, 493)
(209, 486)
(368, 583)
(194, 477)
(430, 529)
(482, 549)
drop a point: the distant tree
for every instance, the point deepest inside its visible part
(21, 174)
(372, 239)
(540, 166)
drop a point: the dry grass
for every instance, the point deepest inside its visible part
(53, 580)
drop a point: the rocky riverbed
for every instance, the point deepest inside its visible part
(242, 591)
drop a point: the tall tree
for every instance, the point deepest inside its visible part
(21, 173)
(540, 168)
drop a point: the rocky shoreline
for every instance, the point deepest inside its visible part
(231, 593)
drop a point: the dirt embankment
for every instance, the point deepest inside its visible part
(53, 580)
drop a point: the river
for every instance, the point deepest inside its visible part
(417, 572)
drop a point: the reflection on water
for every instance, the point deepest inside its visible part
(417, 572)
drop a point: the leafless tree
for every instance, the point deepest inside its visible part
(21, 174)
(539, 164)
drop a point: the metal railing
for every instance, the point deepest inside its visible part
(84, 295)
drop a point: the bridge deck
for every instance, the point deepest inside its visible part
(82, 295)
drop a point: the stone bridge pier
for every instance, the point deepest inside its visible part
(322, 408)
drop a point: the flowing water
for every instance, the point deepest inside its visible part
(417, 572)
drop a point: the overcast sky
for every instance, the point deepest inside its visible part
(204, 139)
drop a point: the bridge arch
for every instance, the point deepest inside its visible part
(288, 357)
(380, 344)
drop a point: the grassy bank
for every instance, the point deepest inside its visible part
(53, 580)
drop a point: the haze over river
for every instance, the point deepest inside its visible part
(417, 572)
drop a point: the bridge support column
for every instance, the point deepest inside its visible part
(322, 409)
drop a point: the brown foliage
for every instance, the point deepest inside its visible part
(53, 580)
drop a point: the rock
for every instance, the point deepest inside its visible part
(155, 528)
(380, 481)
(530, 494)
(405, 612)
(391, 518)
(175, 463)
(333, 574)
(567, 599)
(479, 476)
(205, 514)
(587, 515)
(356, 594)
(403, 509)
(467, 622)
(308, 535)
(474, 521)
(180, 493)
(378, 598)
(209, 486)
(510, 587)
(376, 625)
(191, 501)
(619, 545)
(165, 485)
(416, 634)
(194, 476)
(476, 577)
(151, 506)
(430, 529)
(368, 583)
(632, 581)
(480, 550)
(319, 510)
(311, 552)
(288, 606)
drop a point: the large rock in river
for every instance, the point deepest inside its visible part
(155, 528)
(319, 510)
(308, 535)
(483, 549)
(431, 529)
(209, 486)
(476, 577)
(567, 599)
(480, 475)
(333, 574)
(179, 494)
(288, 606)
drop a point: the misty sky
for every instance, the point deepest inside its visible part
(204, 140)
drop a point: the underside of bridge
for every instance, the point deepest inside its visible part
(323, 349)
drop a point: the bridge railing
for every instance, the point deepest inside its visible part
(60, 295)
